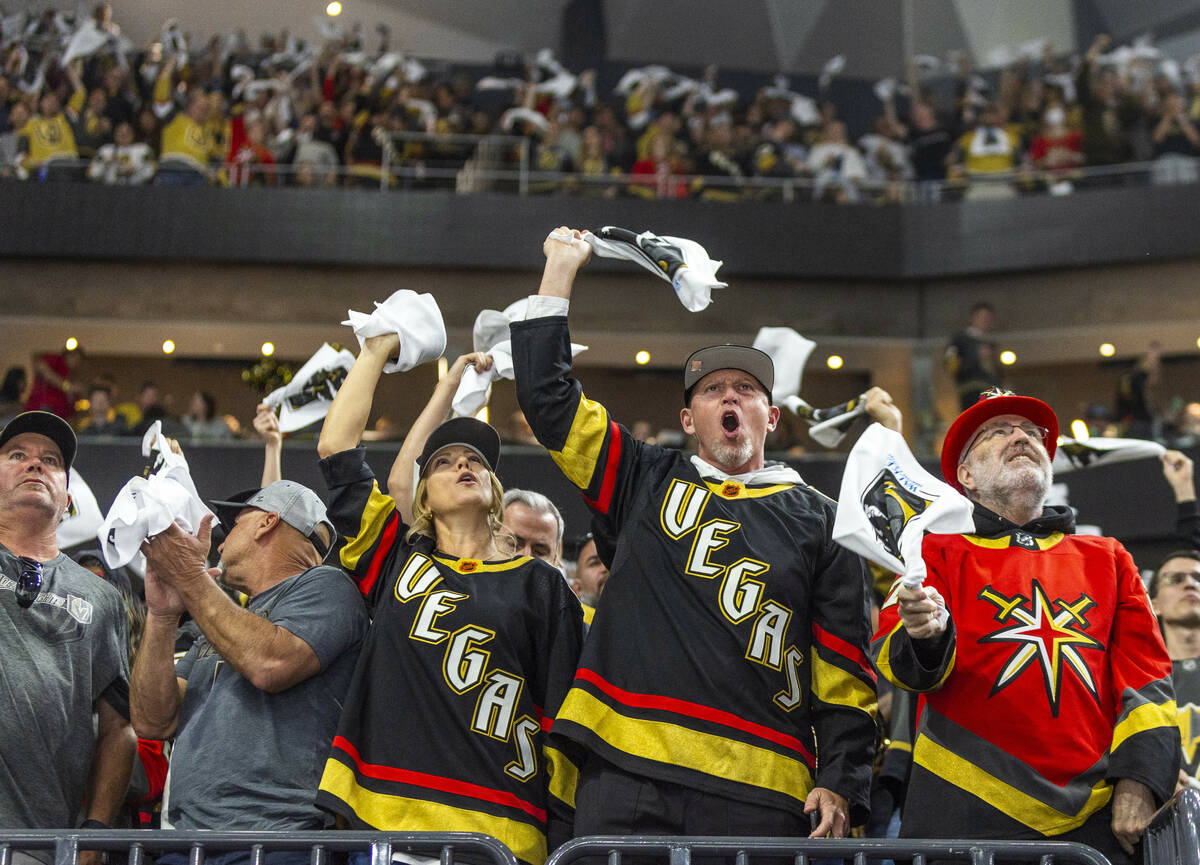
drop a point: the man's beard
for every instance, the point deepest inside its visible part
(1026, 484)
(732, 455)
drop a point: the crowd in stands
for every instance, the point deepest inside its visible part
(78, 101)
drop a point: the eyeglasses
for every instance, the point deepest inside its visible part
(29, 585)
(997, 431)
(1178, 578)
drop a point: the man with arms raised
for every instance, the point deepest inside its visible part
(63, 643)
(1049, 711)
(731, 646)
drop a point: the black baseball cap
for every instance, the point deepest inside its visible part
(467, 432)
(741, 357)
(44, 423)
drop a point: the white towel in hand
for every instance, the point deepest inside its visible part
(307, 397)
(490, 336)
(414, 317)
(682, 262)
(146, 506)
(789, 352)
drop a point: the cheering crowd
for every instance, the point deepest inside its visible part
(406, 653)
(78, 100)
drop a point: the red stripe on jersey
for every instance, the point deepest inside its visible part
(695, 710)
(436, 782)
(845, 649)
(387, 538)
(602, 501)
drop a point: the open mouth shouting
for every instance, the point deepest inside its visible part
(468, 478)
(731, 423)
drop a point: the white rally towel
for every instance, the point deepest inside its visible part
(307, 397)
(888, 502)
(147, 505)
(490, 336)
(828, 426)
(789, 352)
(83, 517)
(414, 317)
(682, 262)
(1083, 453)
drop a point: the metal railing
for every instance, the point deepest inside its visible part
(139, 844)
(803, 851)
(477, 163)
(1173, 835)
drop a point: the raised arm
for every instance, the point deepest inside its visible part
(267, 427)
(351, 407)
(566, 251)
(400, 480)
(270, 657)
(155, 692)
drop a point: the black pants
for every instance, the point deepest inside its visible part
(611, 801)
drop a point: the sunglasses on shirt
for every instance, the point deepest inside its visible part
(29, 584)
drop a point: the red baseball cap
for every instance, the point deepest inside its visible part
(993, 403)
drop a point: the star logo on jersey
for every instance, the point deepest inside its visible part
(1189, 731)
(1049, 633)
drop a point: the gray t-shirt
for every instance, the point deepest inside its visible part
(59, 657)
(248, 759)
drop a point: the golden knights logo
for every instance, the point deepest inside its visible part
(1050, 633)
(889, 506)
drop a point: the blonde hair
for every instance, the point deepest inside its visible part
(422, 522)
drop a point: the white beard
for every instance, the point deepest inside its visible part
(1023, 482)
(732, 455)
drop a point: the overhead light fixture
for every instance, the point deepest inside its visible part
(1008, 358)
(72, 343)
(1107, 349)
(268, 349)
(168, 346)
(642, 357)
(834, 361)
(334, 9)
(1079, 430)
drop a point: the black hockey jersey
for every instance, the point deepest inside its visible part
(729, 650)
(459, 679)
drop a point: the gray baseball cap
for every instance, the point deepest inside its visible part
(742, 357)
(296, 504)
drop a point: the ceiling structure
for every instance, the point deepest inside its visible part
(875, 36)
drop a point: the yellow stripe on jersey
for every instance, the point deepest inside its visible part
(1147, 716)
(991, 543)
(731, 489)
(475, 566)
(1020, 806)
(400, 813)
(662, 742)
(370, 525)
(589, 613)
(585, 441)
(833, 685)
(1051, 541)
(563, 774)
(1006, 541)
